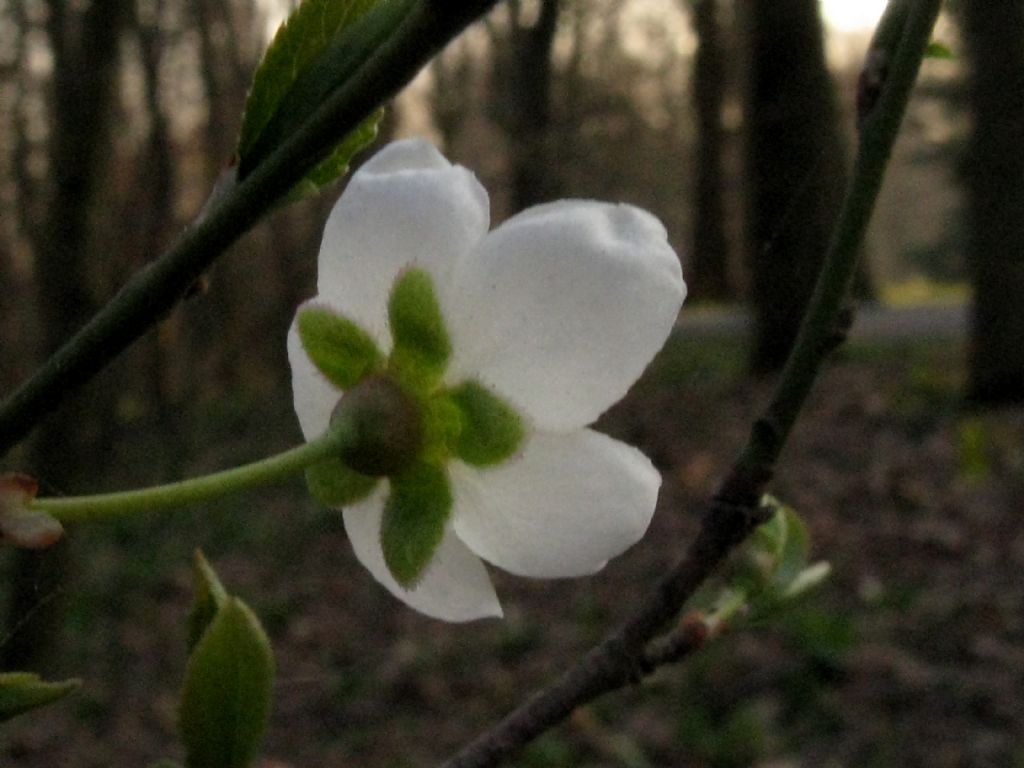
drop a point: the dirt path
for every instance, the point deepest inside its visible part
(873, 322)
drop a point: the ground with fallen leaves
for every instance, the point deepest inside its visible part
(911, 655)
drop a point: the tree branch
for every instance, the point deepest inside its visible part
(153, 291)
(628, 654)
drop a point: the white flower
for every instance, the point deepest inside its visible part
(549, 318)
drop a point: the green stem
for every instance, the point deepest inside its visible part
(123, 503)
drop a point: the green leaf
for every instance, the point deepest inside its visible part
(24, 691)
(340, 349)
(226, 698)
(334, 484)
(772, 554)
(210, 596)
(315, 52)
(807, 579)
(421, 344)
(782, 545)
(336, 164)
(937, 50)
(795, 550)
(298, 42)
(414, 518)
(491, 429)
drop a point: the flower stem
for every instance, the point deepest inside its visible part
(124, 503)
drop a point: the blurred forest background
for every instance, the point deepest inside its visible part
(731, 120)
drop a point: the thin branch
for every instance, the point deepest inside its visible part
(693, 632)
(154, 291)
(628, 654)
(621, 658)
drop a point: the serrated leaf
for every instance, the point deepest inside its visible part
(299, 41)
(334, 484)
(225, 701)
(24, 691)
(314, 53)
(421, 344)
(209, 597)
(340, 349)
(414, 518)
(491, 430)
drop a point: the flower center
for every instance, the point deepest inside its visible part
(399, 405)
(387, 426)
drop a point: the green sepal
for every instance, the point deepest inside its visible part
(414, 518)
(334, 484)
(340, 349)
(300, 40)
(442, 425)
(209, 597)
(421, 344)
(24, 691)
(225, 701)
(491, 430)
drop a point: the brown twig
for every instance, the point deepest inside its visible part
(622, 658)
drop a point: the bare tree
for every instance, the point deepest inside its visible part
(522, 74)
(795, 168)
(709, 276)
(994, 174)
(84, 42)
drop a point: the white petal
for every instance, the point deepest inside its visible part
(455, 586)
(562, 307)
(407, 206)
(564, 507)
(315, 397)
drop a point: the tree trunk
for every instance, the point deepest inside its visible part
(523, 72)
(709, 276)
(795, 169)
(84, 44)
(994, 177)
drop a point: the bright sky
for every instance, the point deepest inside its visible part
(852, 15)
(841, 15)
